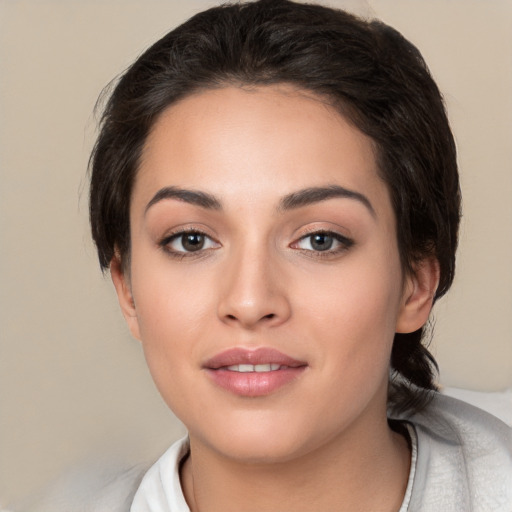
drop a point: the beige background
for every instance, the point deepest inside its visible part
(72, 381)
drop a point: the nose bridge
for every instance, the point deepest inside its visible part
(252, 292)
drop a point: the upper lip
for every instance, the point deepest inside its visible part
(240, 355)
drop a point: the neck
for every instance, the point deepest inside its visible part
(364, 468)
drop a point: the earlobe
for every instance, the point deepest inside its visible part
(419, 291)
(124, 295)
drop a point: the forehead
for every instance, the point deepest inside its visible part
(244, 142)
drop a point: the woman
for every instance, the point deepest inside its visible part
(275, 192)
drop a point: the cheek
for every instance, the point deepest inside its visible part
(355, 296)
(352, 311)
(172, 310)
(169, 296)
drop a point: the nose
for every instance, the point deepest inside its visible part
(253, 291)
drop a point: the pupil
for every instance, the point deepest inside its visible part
(321, 242)
(192, 241)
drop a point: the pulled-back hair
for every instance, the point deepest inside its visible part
(366, 69)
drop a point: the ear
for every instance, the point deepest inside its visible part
(418, 297)
(124, 295)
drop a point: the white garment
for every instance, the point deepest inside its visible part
(464, 459)
(464, 464)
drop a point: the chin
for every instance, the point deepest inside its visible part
(263, 438)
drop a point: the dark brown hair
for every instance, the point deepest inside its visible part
(376, 78)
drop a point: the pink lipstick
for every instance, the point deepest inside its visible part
(253, 373)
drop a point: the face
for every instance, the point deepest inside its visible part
(265, 280)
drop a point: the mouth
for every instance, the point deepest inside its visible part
(253, 373)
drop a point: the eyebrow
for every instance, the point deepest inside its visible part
(299, 199)
(313, 195)
(195, 197)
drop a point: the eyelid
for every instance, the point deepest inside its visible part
(344, 242)
(337, 231)
(176, 233)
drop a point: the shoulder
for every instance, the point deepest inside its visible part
(91, 489)
(464, 459)
(113, 487)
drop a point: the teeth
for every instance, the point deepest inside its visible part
(244, 368)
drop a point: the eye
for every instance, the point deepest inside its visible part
(323, 241)
(188, 242)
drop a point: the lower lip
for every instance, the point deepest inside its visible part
(253, 384)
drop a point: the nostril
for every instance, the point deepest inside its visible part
(269, 316)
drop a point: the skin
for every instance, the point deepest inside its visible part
(321, 442)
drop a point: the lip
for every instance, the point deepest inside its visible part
(262, 355)
(253, 384)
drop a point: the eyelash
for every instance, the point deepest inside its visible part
(343, 242)
(168, 239)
